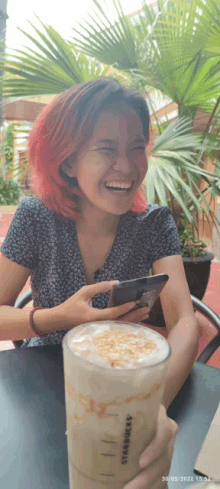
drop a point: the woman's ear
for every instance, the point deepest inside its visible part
(71, 181)
(68, 173)
(67, 167)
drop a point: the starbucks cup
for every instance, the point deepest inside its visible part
(114, 382)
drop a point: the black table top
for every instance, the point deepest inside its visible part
(193, 409)
(32, 419)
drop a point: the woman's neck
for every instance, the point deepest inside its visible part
(96, 222)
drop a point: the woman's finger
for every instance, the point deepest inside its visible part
(151, 478)
(171, 443)
(157, 473)
(137, 315)
(88, 291)
(114, 312)
(167, 432)
(158, 465)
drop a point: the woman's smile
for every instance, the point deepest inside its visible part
(119, 187)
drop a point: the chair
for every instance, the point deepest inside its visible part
(215, 320)
(21, 302)
(197, 304)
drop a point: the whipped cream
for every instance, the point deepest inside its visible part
(119, 345)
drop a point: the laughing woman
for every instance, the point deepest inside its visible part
(89, 225)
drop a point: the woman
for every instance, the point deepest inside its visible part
(89, 225)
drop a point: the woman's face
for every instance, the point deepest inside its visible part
(113, 163)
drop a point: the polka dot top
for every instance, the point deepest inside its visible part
(47, 243)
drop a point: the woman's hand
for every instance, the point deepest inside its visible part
(78, 308)
(156, 458)
(136, 316)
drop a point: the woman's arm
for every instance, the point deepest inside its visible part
(183, 329)
(14, 323)
(183, 339)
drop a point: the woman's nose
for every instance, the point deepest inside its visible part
(123, 164)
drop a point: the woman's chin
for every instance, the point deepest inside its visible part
(116, 206)
(118, 210)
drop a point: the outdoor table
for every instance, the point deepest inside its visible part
(32, 419)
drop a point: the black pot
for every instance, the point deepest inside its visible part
(197, 272)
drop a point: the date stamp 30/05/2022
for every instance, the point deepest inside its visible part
(185, 478)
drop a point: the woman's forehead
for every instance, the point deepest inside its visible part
(113, 124)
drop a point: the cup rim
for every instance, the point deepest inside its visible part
(65, 345)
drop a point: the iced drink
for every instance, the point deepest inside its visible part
(114, 382)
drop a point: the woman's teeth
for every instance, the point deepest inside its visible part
(118, 186)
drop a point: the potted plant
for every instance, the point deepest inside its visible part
(197, 264)
(10, 190)
(196, 260)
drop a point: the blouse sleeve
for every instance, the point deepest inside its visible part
(165, 237)
(21, 242)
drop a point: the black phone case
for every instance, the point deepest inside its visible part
(144, 291)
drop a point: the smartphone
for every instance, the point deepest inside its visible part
(144, 291)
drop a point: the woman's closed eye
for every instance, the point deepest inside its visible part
(139, 148)
(106, 149)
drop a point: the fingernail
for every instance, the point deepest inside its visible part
(143, 462)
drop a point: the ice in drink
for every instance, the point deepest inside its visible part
(114, 382)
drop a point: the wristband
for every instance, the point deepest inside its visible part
(32, 326)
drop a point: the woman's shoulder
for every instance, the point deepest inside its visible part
(33, 208)
(154, 220)
(32, 204)
(153, 213)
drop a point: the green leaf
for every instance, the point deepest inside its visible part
(60, 66)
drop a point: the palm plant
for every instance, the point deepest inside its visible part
(173, 178)
(168, 51)
(55, 66)
(9, 189)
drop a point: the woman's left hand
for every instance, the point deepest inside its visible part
(157, 456)
(135, 316)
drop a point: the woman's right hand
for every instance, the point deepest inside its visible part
(156, 458)
(78, 308)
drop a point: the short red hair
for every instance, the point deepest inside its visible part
(62, 129)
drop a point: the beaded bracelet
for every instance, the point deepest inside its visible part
(32, 322)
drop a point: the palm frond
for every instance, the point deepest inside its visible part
(174, 170)
(110, 43)
(210, 21)
(55, 66)
(164, 49)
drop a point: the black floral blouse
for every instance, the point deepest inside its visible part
(47, 243)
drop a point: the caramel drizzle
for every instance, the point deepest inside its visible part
(100, 409)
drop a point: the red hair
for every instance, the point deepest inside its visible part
(62, 129)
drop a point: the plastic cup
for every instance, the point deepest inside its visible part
(112, 400)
